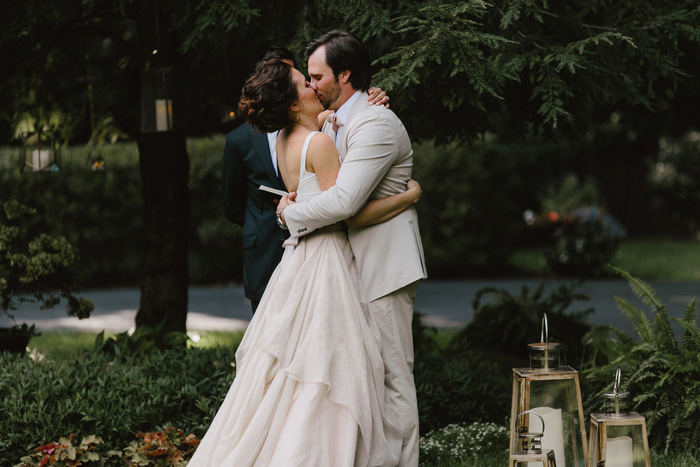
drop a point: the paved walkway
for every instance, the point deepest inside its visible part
(443, 304)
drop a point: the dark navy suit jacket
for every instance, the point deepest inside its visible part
(247, 164)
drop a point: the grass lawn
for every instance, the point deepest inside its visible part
(649, 259)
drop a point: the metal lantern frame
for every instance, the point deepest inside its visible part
(618, 437)
(529, 448)
(40, 152)
(556, 388)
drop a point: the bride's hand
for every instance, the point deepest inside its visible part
(377, 97)
(413, 188)
(286, 200)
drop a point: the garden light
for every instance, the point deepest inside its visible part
(618, 436)
(553, 392)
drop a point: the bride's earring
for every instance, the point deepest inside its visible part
(296, 116)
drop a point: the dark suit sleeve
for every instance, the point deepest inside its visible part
(233, 182)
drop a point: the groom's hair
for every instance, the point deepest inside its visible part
(345, 51)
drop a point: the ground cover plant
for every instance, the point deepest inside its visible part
(94, 393)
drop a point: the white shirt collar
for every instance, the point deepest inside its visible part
(271, 141)
(344, 110)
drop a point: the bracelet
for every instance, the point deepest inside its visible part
(279, 220)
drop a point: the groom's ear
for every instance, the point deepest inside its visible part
(344, 77)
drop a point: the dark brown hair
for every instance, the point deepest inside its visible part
(345, 51)
(267, 96)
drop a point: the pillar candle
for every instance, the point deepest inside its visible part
(618, 452)
(553, 437)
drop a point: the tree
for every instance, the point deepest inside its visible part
(456, 70)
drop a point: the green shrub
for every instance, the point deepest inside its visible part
(661, 373)
(94, 394)
(578, 237)
(506, 323)
(473, 199)
(582, 242)
(456, 386)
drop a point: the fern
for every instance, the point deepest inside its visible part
(662, 373)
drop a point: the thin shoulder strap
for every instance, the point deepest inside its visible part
(305, 149)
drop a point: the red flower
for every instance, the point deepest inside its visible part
(553, 216)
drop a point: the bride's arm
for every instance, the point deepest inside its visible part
(383, 209)
(376, 97)
(323, 160)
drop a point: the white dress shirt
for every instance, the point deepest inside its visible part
(271, 140)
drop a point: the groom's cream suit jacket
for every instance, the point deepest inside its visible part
(377, 160)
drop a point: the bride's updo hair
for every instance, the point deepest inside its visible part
(267, 96)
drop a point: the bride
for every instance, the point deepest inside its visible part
(309, 386)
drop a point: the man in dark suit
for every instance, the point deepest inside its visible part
(250, 161)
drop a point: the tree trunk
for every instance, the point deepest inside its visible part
(164, 175)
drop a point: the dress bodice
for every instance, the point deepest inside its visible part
(308, 181)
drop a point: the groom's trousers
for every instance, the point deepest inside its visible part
(394, 315)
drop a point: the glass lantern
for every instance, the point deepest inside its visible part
(157, 104)
(544, 355)
(553, 391)
(618, 436)
(529, 450)
(40, 153)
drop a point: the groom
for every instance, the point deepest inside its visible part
(376, 160)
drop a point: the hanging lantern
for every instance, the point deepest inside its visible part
(553, 392)
(529, 446)
(40, 153)
(157, 104)
(618, 436)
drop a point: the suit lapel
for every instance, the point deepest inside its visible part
(262, 149)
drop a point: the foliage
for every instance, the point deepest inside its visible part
(92, 393)
(144, 340)
(167, 448)
(480, 191)
(518, 318)
(674, 190)
(582, 242)
(36, 263)
(578, 237)
(453, 385)
(64, 453)
(463, 443)
(661, 373)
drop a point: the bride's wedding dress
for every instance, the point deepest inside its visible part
(309, 385)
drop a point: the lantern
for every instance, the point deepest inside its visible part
(553, 392)
(41, 153)
(618, 436)
(157, 105)
(529, 446)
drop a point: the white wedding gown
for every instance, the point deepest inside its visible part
(309, 385)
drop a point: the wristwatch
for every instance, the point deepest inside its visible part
(279, 220)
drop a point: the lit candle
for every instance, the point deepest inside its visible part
(40, 159)
(164, 114)
(553, 437)
(618, 452)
